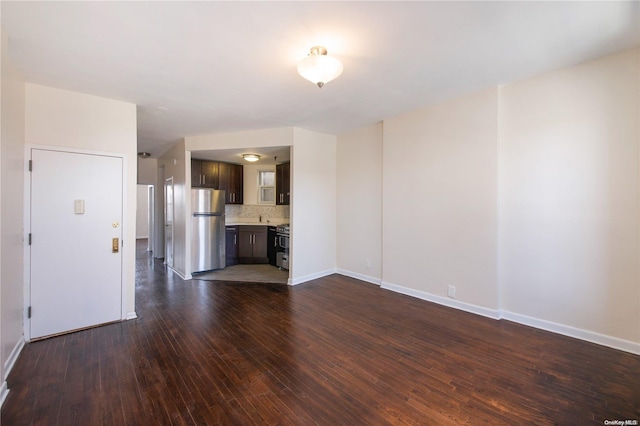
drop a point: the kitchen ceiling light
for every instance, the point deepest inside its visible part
(251, 157)
(144, 155)
(319, 68)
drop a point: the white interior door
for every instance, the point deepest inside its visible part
(168, 222)
(76, 229)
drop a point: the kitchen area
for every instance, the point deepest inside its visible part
(240, 214)
(311, 183)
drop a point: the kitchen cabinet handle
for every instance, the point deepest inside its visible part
(235, 240)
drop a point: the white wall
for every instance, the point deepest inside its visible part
(12, 166)
(62, 118)
(313, 205)
(142, 211)
(282, 136)
(569, 197)
(359, 203)
(174, 163)
(526, 198)
(440, 200)
(147, 171)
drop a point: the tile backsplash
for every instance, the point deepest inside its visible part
(254, 211)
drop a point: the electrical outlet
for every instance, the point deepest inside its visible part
(451, 292)
(367, 264)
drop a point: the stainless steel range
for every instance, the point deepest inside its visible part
(282, 239)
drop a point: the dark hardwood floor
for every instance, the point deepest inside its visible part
(331, 351)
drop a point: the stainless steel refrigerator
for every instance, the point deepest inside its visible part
(207, 230)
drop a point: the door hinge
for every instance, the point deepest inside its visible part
(29, 238)
(29, 312)
(30, 165)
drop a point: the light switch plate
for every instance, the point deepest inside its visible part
(79, 206)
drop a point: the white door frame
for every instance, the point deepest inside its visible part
(169, 181)
(158, 246)
(151, 215)
(27, 227)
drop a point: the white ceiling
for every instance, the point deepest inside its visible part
(227, 66)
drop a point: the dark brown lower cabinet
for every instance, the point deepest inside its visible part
(252, 244)
(232, 245)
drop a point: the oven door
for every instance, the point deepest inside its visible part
(283, 243)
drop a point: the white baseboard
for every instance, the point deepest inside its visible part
(13, 357)
(8, 366)
(131, 315)
(4, 391)
(452, 303)
(178, 273)
(566, 330)
(361, 277)
(304, 279)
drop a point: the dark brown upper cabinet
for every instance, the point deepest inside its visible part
(204, 174)
(283, 185)
(231, 180)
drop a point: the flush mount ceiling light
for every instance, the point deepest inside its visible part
(144, 155)
(251, 157)
(319, 68)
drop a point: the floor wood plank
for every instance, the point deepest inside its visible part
(332, 351)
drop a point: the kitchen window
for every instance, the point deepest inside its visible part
(266, 187)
